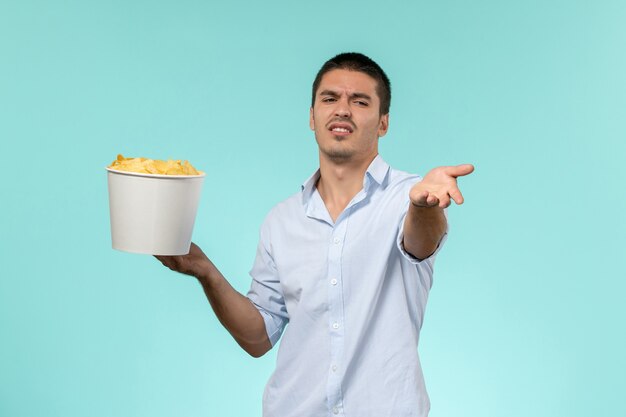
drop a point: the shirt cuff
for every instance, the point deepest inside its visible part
(273, 326)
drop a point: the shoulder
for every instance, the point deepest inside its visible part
(284, 211)
(397, 176)
(398, 181)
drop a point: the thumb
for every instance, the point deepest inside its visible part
(460, 170)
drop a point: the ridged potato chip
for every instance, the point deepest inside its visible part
(154, 166)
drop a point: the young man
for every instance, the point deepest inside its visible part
(347, 262)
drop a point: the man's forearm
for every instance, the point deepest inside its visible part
(423, 229)
(235, 311)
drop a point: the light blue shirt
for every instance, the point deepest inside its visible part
(348, 300)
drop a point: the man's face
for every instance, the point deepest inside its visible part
(346, 116)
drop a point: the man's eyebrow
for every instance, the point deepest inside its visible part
(329, 93)
(352, 96)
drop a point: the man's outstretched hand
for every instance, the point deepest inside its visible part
(439, 187)
(195, 263)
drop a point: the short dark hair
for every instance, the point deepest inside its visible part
(354, 61)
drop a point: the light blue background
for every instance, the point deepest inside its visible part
(526, 317)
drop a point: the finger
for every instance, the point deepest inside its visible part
(432, 200)
(460, 170)
(421, 199)
(170, 262)
(444, 202)
(165, 259)
(456, 195)
(194, 248)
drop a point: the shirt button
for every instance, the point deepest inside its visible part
(334, 368)
(335, 410)
(333, 281)
(336, 240)
(335, 325)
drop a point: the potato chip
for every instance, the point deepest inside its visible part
(153, 166)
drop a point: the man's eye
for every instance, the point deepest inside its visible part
(362, 103)
(328, 100)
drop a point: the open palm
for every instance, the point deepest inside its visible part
(439, 187)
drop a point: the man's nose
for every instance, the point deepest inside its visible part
(343, 108)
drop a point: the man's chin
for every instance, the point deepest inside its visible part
(338, 155)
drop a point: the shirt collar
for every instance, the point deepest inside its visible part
(377, 172)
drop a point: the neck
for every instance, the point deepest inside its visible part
(339, 182)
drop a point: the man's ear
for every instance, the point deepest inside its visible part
(383, 125)
(311, 120)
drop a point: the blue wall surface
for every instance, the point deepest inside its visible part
(526, 316)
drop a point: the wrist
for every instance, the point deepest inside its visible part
(426, 215)
(207, 274)
(424, 208)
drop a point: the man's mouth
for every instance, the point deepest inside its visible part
(341, 128)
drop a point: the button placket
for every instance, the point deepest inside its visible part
(335, 314)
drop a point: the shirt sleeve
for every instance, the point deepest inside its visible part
(265, 291)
